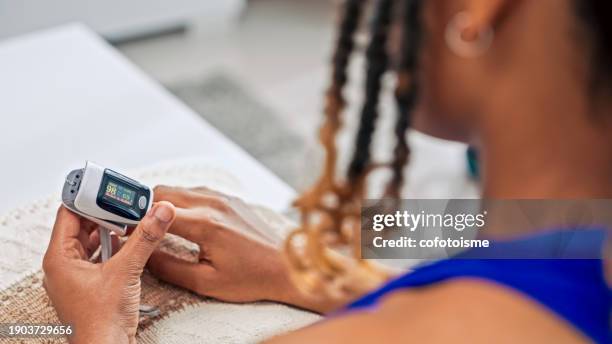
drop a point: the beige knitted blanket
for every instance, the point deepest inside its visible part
(185, 317)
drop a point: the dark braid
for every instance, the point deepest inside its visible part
(334, 99)
(345, 43)
(405, 93)
(377, 64)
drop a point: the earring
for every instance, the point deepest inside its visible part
(462, 47)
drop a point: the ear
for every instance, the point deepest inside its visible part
(488, 13)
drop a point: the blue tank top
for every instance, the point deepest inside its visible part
(574, 289)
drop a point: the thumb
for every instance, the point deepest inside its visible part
(147, 236)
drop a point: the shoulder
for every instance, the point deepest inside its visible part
(460, 310)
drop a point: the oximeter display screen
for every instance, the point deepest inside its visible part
(123, 196)
(120, 193)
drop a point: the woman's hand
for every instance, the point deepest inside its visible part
(232, 266)
(100, 301)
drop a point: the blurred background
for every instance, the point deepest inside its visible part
(225, 59)
(257, 68)
(254, 69)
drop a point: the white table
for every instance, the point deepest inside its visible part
(66, 96)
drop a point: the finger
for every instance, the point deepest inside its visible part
(89, 237)
(207, 191)
(196, 225)
(188, 224)
(88, 225)
(84, 238)
(116, 244)
(67, 225)
(180, 272)
(146, 237)
(180, 197)
(191, 198)
(65, 235)
(94, 242)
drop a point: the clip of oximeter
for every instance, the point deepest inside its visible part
(106, 197)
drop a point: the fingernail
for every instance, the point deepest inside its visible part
(163, 212)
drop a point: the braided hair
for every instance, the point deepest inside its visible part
(405, 94)
(313, 201)
(331, 208)
(377, 64)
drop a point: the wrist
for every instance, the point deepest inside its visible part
(287, 292)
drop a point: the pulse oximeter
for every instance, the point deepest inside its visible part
(106, 197)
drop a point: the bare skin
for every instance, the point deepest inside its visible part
(100, 301)
(526, 103)
(466, 311)
(232, 267)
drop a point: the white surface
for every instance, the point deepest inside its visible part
(114, 19)
(68, 97)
